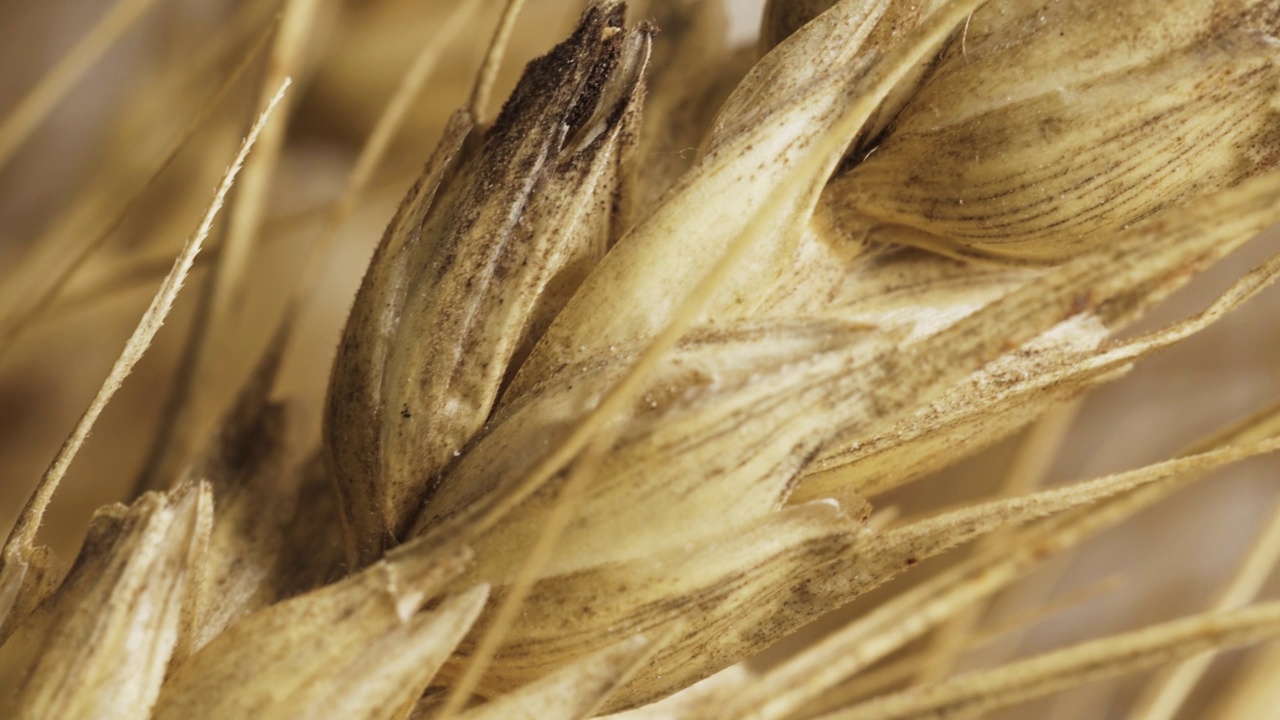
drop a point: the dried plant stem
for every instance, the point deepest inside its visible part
(1253, 692)
(1086, 662)
(909, 615)
(488, 74)
(32, 110)
(285, 59)
(1240, 292)
(969, 521)
(31, 302)
(879, 678)
(1165, 695)
(1034, 458)
(219, 301)
(23, 533)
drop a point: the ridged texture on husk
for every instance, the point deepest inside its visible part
(1048, 127)
(501, 227)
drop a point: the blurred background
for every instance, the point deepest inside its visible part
(105, 115)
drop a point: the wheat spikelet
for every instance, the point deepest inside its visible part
(614, 417)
